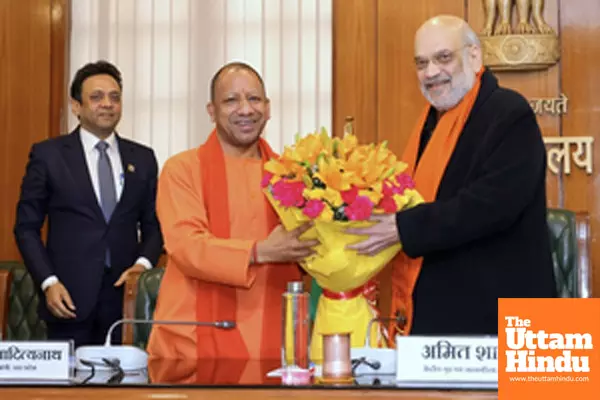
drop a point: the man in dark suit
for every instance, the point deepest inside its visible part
(478, 157)
(98, 192)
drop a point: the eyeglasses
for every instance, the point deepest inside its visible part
(442, 57)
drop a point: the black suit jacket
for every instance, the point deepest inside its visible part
(57, 185)
(485, 236)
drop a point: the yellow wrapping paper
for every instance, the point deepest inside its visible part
(339, 270)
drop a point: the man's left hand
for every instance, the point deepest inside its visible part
(381, 235)
(123, 278)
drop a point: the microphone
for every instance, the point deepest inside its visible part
(215, 324)
(129, 357)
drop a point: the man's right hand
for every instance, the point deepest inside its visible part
(59, 301)
(284, 246)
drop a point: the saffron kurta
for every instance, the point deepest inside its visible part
(198, 260)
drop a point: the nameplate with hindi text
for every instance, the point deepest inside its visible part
(35, 361)
(447, 361)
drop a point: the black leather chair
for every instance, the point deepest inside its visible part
(570, 241)
(22, 322)
(141, 293)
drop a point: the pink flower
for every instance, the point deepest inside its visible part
(266, 179)
(404, 182)
(313, 208)
(389, 189)
(348, 196)
(360, 209)
(288, 193)
(388, 204)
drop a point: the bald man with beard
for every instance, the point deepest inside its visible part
(478, 159)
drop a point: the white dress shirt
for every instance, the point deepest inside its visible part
(89, 142)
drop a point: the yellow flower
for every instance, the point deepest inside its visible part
(373, 195)
(401, 201)
(414, 197)
(326, 141)
(326, 214)
(372, 170)
(364, 164)
(332, 173)
(373, 164)
(345, 145)
(337, 164)
(333, 197)
(308, 148)
(392, 165)
(285, 167)
(302, 153)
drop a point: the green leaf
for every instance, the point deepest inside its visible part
(320, 157)
(307, 181)
(389, 173)
(336, 145)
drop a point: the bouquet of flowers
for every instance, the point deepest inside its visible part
(338, 184)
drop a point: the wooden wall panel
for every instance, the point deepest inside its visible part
(532, 84)
(355, 67)
(59, 59)
(24, 99)
(580, 82)
(29, 38)
(400, 100)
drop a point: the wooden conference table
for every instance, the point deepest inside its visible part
(218, 379)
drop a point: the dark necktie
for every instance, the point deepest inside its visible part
(106, 182)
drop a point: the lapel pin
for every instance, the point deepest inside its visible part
(130, 168)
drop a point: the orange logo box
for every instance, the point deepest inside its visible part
(549, 349)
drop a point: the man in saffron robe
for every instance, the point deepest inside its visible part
(478, 158)
(228, 257)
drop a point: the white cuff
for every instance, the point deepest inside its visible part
(49, 281)
(145, 262)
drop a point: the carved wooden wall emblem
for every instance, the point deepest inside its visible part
(531, 45)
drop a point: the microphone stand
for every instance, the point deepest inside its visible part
(131, 357)
(215, 324)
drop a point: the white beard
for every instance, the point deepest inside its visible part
(461, 84)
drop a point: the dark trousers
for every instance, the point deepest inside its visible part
(93, 330)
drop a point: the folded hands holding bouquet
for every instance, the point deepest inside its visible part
(342, 197)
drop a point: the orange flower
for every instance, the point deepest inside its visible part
(285, 167)
(331, 172)
(338, 171)
(342, 147)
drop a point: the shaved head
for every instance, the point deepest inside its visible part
(238, 106)
(455, 28)
(447, 57)
(236, 65)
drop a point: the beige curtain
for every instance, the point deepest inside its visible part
(167, 51)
